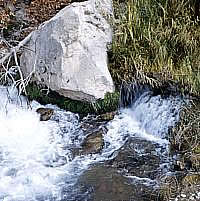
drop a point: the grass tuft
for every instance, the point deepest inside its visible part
(158, 41)
(108, 104)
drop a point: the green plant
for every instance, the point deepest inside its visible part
(157, 41)
(108, 104)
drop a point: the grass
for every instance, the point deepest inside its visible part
(184, 138)
(184, 143)
(156, 41)
(108, 104)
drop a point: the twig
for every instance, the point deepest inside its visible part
(23, 88)
(15, 49)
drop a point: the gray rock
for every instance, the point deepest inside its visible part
(68, 53)
(108, 184)
(93, 143)
(134, 163)
(45, 113)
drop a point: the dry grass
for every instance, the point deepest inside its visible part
(185, 136)
(156, 39)
(180, 187)
(184, 141)
(170, 187)
(37, 11)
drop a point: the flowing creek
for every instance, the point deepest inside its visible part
(37, 161)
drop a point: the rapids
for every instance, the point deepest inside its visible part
(36, 160)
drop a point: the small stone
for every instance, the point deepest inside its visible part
(107, 116)
(93, 143)
(45, 113)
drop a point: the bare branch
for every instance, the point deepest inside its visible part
(14, 50)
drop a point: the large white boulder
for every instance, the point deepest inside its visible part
(68, 53)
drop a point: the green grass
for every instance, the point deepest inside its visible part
(108, 104)
(156, 41)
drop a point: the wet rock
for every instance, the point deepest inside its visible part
(93, 143)
(132, 161)
(110, 185)
(45, 113)
(107, 116)
(91, 124)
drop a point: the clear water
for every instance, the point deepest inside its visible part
(36, 162)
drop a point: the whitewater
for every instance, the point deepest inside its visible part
(36, 159)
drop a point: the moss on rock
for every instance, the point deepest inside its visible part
(42, 95)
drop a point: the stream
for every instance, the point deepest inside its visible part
(37, 161)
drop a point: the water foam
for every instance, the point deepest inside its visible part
(149, 118)
(36, 162)
(32, 153)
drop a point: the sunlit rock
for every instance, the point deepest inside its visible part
(69, 52)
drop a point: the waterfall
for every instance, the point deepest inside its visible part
(36, 160)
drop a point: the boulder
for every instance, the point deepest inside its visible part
(68, 53)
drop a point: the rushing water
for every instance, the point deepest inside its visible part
(36, 160)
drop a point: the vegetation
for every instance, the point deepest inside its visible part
(185, 145)
(157, 41)
(154, 41)
(184, 138)
(108, 104)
